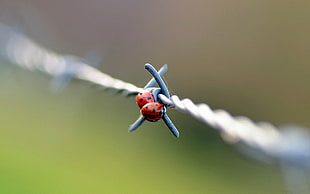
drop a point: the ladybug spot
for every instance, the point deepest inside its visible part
(156, 104)
(149, 98)
(154, 110)
(141, 100)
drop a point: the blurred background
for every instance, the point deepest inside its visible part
(248, 57)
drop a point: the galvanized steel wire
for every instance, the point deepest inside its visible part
(288, 146)
(18, 49)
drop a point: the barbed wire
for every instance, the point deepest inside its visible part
(292, 144)
(16, 48)
(289, 145)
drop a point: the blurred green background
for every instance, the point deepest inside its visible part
(248, 57)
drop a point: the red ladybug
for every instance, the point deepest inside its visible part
(143, 98)
(153, 111)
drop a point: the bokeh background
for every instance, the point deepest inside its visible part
(248, 57)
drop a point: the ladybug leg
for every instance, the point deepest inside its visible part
(171, 126)
(161, 72)
(158, 79)
(136, 124)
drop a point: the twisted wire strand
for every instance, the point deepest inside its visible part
(16, 48)
(290, 146)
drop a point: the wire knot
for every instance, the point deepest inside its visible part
(152, 107)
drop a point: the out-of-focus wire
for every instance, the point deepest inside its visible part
(288, 146)
(16, 48)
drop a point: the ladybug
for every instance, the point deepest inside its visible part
(153, 111)
(143, 98)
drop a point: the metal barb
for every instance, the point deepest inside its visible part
(60, 81)
(156, 91)
(16, 48)
(161, 72)
(136, 124)
(288, 146)
(158, 79)
(171, 126)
